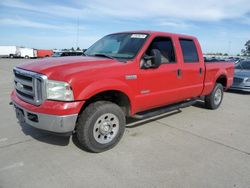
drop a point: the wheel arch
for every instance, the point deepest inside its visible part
(222, 79)
(109, 90)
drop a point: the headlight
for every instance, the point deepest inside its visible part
(60, 91)
(248, 80)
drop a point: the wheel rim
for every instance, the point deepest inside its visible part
(106, 128)
(217, 97)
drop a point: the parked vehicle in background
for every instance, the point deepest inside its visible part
(44, 53)
(213, 59)
(242, 76)
(9, 51)
(28, 53)
(131, 74)
(66, 53)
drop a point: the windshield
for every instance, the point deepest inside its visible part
(57, 54)
(122, 45)
(243, 65)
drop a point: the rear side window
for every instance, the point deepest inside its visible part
(189, 51)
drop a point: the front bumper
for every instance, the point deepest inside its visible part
(53, 116)
(52, 123)
(240, 88)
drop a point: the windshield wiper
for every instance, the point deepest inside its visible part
(104, 55)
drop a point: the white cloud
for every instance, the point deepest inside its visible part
(22, 22)
(51, 9)
(206, 10)
(174, 24)
(26, 23)
(194, 10)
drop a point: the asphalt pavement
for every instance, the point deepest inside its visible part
(194, 147)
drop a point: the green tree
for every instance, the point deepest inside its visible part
(246, 51)
(72, 49)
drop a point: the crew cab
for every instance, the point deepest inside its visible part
(129, 74)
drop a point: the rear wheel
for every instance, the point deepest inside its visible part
(214, 99)
(100, 126)
(11, 56)
(26, 57)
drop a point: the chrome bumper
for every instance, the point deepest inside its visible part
(240, 88)
(52, 123)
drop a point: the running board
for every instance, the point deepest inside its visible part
(163, 110)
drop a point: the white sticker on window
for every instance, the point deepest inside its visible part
(139, 36)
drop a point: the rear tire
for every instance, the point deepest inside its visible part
(100, 126)
(11, 56)
(26, 57)
(214, 99)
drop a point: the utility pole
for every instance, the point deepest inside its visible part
(77, 33)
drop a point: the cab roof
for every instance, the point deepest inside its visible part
(159, 33)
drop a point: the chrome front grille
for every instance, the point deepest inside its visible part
(30, 86)
(238, 80)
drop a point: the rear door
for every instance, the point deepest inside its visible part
(192, 70)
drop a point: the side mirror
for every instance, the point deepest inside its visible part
(152, 61)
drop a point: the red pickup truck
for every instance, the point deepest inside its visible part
(130, 74)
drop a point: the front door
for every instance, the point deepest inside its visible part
(159, 86)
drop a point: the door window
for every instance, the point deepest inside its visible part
(189, 51)
(165, 46)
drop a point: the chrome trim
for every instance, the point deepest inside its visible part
(52, 123)
(23, 82)
(145, 91)
(35, 81)
(131, 77)
(22, 89)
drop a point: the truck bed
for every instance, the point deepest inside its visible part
(214, 70)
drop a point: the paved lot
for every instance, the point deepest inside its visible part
(192, 148)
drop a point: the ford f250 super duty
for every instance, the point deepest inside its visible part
(130, 74)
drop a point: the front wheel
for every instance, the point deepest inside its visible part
(214, 99)
(100, 126)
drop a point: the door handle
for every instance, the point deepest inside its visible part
(178, 73)
(200, 71)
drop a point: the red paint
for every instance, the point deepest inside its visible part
(89, 76)
(50, 107)
(44, 53)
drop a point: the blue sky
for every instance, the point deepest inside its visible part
(221, 26)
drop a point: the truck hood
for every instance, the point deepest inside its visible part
(64, 66)
(242, 73)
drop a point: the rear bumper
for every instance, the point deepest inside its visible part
(53, 116)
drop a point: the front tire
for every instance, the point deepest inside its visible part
(214, 99)
(100, 126)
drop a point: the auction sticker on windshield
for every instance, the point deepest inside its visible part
(140, 36)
